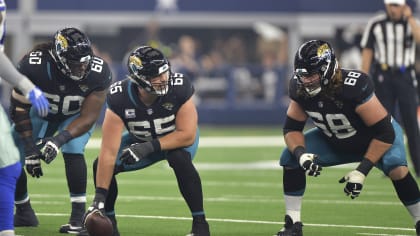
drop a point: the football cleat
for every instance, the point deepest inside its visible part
(418, 228)
(114, 225)
(83, 232)
(290, 228)
(71, 229)
(25, 217)
(200, 229)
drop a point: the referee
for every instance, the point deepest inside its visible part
(388, 52)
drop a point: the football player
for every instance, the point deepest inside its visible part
(10, 166)
(75, 82)
(340, 103)
(155, 107)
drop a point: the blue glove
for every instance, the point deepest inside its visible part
(39, 101)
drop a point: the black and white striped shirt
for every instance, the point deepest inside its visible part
(392, 42)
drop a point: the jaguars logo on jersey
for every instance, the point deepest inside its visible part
(168, 106)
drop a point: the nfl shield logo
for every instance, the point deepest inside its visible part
(149, 111)
(320, 104)
(130, 113)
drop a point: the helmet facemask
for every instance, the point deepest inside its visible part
(312, 87)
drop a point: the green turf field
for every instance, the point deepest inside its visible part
(242, 191)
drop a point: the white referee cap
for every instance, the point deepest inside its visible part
(399, 2)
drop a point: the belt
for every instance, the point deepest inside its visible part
(394, 70)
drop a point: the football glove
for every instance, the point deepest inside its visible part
(39, 102)
(98, 204)
(33, 163)
(306, 161)
(51, 145)
(137, 151)
(354, 184)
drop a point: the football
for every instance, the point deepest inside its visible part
(98, 225)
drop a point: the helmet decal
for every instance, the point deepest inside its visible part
(324, 51)
(61, 43)
(135, 63)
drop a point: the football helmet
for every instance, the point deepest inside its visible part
(315, 57)
(146, 63)
(73, 53)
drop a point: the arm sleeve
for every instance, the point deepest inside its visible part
(11, 75)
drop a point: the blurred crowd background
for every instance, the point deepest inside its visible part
(238, 53)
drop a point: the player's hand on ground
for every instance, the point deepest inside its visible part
(39, 102)
(135, 152)
(33, 163)
(354, 183)
(307, 162)
(98, 205)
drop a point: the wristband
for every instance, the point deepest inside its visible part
(156, 145)
(101, 193)
(365, 166)
(63, 137)
(299, 150)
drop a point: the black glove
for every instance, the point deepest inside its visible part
(32, 158)
(137, 151)
(306, 161)
(33, 164)
(354, 184)
(51, 145)
(356, 178)
(98, 204)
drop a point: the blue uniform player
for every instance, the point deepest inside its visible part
(351, 126)
(75, 82)
(155, 107)
(10, 167)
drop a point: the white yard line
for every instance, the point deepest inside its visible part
(247, 222)
(235, 141)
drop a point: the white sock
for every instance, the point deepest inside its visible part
(293, 207)
(414, 211)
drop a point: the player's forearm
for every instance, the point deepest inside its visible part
(376, 150)
(11, 75)
(79, 126)
(84, 122)
(177, 139)
(104, 172)
(294, 139)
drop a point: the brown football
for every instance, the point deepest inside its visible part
(98, 225)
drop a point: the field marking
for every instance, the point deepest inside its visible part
(221, 141)
(383, 234)
(39, 199)
(243, 221)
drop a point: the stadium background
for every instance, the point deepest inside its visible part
(241, 177)
(242, 49)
